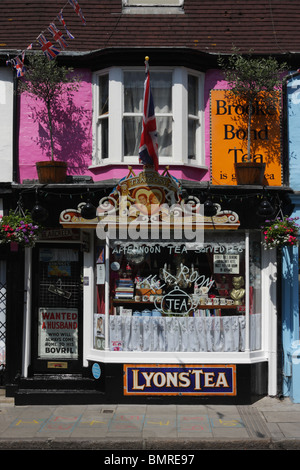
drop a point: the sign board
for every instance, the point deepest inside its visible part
(229, 137)
(174, 379)
(226, 264)
(58, 333)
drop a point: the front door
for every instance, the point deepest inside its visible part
(57, 321)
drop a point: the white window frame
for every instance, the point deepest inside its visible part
(152, 3)
(145, 7)
(180, 118)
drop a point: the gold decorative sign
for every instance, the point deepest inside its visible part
(151, 200)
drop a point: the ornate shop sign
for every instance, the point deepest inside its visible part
(150, 201)
(171, 379)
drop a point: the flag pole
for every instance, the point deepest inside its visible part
(148, 149)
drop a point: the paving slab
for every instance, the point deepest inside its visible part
(267, 424)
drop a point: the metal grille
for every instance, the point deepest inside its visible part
(2, 320)
(60, 290)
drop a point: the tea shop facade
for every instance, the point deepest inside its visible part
(177, 306)
(151, 300)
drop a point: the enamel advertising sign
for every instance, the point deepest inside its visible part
(173, 379)
(58, 333)
(229, 137)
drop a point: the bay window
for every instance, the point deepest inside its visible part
(118, 114)
(181, 297)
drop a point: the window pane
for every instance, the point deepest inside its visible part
(164, 130)
(133, 92)
(161, 86)
(132, 135)
(192, 125)
(133, 130)
(193, 95)
(104, 138)
(103, 95)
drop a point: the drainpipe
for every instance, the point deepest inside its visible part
(15, 153)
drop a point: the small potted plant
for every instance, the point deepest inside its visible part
(47, 82)
(18, 228)
(252, 80)
(280, 232)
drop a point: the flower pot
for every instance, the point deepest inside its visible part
(250, 172)
(51, 172)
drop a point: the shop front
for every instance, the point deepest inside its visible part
(178, 307)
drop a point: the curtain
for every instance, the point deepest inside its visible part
(186, 334)
(161, 86)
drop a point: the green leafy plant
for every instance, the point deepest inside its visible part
(46, 81)
(19, 228)
(280, 232)
(252, 79)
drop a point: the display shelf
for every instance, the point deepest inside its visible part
(132, 301)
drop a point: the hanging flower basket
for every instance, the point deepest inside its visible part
(18, 228)
(280, 232)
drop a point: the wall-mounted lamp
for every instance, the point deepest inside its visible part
(209, 208)
(88, 210)
(265, 209)
(39, 213)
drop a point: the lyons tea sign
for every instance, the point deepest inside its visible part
(169, 379)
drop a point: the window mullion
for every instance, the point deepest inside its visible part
(180, 125)
(115, 147)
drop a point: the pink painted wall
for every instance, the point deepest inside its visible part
(73, 136)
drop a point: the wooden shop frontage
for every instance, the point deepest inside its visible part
(149, 300)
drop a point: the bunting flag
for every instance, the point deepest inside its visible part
(148, 150)
(57, 35)
(19, 66)
(62, 22)
(27, 49)
(47, 47)
(77, 9)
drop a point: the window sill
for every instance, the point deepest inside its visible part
(158, 357)
(157, 10)
(134, 164)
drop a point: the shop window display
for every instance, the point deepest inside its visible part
(176, 296)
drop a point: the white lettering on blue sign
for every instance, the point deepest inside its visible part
(96, 371)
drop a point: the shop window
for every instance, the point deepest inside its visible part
(180, 297)
(118, 112)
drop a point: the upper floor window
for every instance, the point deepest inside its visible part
(118, 113)
(152, 6)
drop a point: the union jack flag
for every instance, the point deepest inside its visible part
(62, 21)
(27, 49)
(148, 150)
(19, 66)
(77, 9)
(57, 35)
(47, 47)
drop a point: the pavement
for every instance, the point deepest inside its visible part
(164, 430)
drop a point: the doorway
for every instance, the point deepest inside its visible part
(57, 309)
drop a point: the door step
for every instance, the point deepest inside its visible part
(58, 390)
